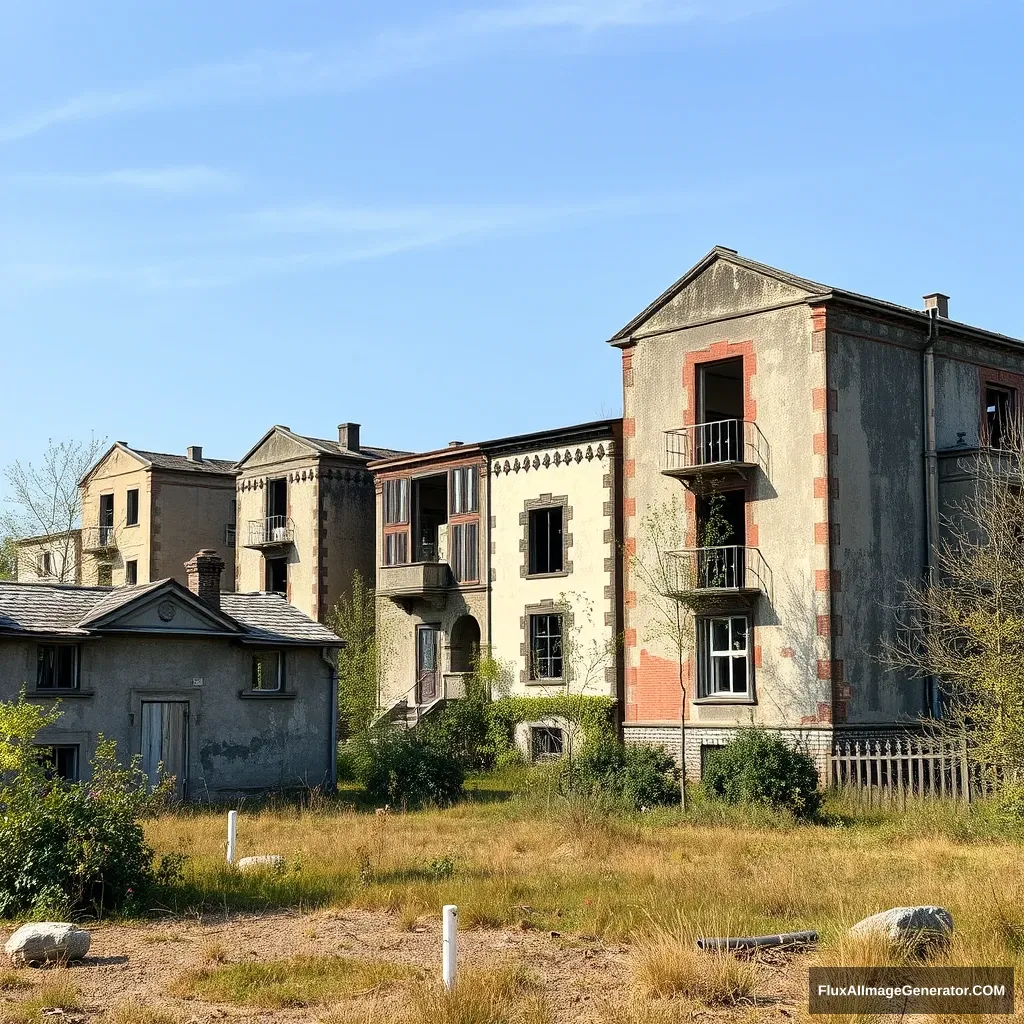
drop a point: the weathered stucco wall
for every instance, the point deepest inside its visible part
(65, 558)
(348, 529)
(117, 474)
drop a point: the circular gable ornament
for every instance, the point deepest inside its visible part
(166, 610)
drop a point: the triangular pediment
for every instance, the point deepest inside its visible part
(278, 444)
(167, 607)
(723, 284)
(116, 459)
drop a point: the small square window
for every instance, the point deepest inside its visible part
(546, 646)
(546, 743)
(60, 761)
(57, 667)
(268, 671)
(131, 573)
(131, 515)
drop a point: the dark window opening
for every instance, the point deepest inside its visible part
(430, 511)
(999, 411)
(463, 555)
(229, 535)
(131, 513)
(546, 540)
(106, 519)
(268, 670)
(105, 575)
(546, 646)
(718, 437)
(131, 573)
(724, 646)
(546, 743)
(57, 667)
(277, 575)
(707, 751)
(60, 761)
(45, 564)
(277, 498)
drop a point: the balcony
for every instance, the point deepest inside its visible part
(707, 455)
(98, 540)
(414, 580)
(720, 578)
(271, 532)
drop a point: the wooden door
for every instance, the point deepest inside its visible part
(165, 742)
(427, 647)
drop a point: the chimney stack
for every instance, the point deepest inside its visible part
(938, 302)
(348, 436)
(194, 453)
(203, 574)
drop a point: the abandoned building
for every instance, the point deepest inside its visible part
(812, 439)
(56, 557)
(510, 544)
(305, 509)
(231, 693)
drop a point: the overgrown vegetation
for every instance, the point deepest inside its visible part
(592, 715)
(636, 777)
(407, 770)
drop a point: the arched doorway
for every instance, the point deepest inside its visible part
(465, 643)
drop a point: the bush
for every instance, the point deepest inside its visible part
(595, 716)
(636, 775)
(760, 768)
(405, 769)
(459, 731)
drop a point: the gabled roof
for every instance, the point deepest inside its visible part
(64, 610)
(163, 460)
(323, 446)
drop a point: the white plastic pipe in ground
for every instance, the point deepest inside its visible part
(232, 832)
(449, 944)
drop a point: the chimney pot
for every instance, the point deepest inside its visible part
(938, 302)
(194, 453)
(348, 436)
(202, 573)
(456, 444)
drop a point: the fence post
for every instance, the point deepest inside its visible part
(449, 944)
(232, 832)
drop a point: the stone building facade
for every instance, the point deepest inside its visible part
(54, 557)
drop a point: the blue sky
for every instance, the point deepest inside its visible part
(428, 217)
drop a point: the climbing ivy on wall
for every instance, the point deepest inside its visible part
(595, 716)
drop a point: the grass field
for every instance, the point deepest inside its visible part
(567, 875)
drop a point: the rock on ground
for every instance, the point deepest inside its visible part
(919, 927)
(264, 862)
(46, 941)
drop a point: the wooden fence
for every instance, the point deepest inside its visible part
(908, 767)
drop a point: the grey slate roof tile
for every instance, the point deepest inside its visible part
(163, 460)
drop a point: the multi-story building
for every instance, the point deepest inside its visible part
(812, 438)
(145, 513)
(511, 545)
(56, 557)
(305, 511)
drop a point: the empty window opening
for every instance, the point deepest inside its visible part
(546, 743)
(131, 508)
(268, 670)
(546, 646)
(105, 575)
(277, 575)
(106, 518)
(57, 667)
(718, 437)
(463, 556)
(724, 656)
(59, 761)
(45, 564)
(721, 519)
(430, 511)
(546, 540)
(277, 498)
(131, 573)
(999, 411)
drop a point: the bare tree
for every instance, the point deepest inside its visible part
(45, 499)
(8, 558)
(659, 570)
(964, 625)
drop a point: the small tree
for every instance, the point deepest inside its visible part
(657, 568)
(45, 499)
(8, 558)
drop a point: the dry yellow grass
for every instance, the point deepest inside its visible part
(58, 994)
(669, 964)
(138, 1013)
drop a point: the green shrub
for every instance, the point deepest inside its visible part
(638, 776)
(757, 767)
(401, 768)
(459, 731)
(595, 716)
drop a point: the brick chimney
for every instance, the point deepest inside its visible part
(203, 574)
(938, 302)
(194, 453)
(348, 436)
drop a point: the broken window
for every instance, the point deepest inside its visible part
(464, 490)
(463, 558)
(106, 519)
(131, 508)
(59, 761)
(277, 575)
(546, 743)
(999, 410)
(724, 656)
(546, 540)
(396, 502)
(268, 670)
(277, 501)
(396, 548)
(131, 573)
(546, 646)
(57, 667)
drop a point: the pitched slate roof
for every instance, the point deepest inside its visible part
(162, 460)
(336, 448)
(54, 609)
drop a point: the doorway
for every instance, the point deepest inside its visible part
(427, 648)
(165, 742)
(719, 432)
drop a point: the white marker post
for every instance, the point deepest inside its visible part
(449, 945)
(232, 831)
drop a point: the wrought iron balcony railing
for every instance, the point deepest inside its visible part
(98, 538)
(718, 571)
(716, 446)
(273, 531)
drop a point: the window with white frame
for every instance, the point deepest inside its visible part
(463, 490)
(724, 646)
(463, 539)
(396, 502)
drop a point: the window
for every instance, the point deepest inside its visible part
(105, 575)
(396, 502)
(463, 490)
(60, 761)
(546, 646)
(546, 552)
(44, 566)
(131, 573)
(106, 519)
(277, 498)
(546, 743)
(131, 513)
(724, 657)
(57, 667)
(268, 670)
(396, 548)
(277, 575)
(999, 411)
(229, 535)
(464, 552)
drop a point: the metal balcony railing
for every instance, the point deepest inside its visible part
(718, 569)
(719, 443)
(98, 538)
(269, 532)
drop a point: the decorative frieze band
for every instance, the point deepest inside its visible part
(566, 458)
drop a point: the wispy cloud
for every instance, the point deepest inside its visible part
(172, 180)
(386, 55)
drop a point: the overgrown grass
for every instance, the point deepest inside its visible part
(298, 981)
(51, 999)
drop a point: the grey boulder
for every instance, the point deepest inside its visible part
(917, 927)
(45, 941)
(264, 862)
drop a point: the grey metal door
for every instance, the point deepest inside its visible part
(165, 742)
